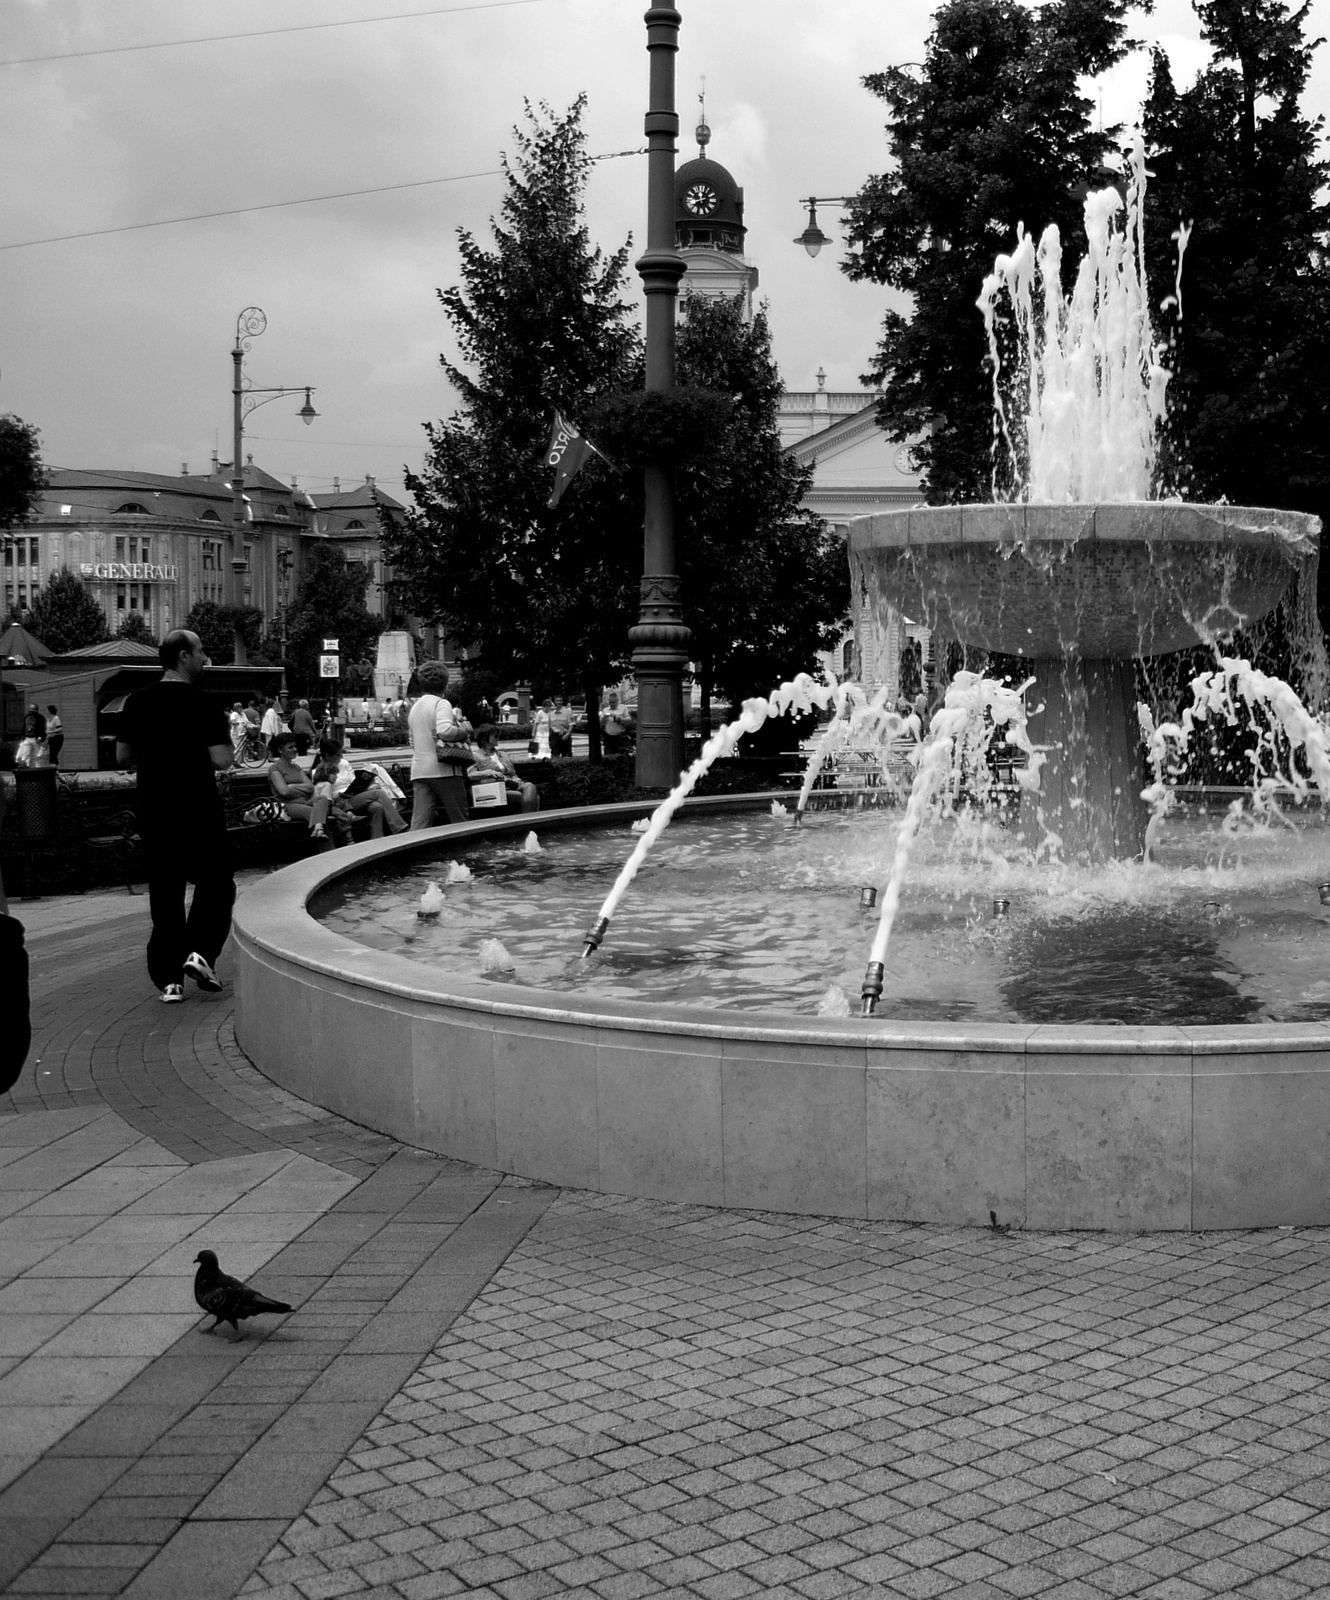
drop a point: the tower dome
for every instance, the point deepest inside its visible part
(709, 227)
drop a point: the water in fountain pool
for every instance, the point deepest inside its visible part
(750, 913)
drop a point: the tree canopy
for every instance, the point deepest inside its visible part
(216, 627)
(541, 322)
(765, 581)
(22, 476)
(65, 615)
(1236, 158)
(329, 601)
(990, 130)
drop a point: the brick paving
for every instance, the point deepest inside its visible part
(494, 1391)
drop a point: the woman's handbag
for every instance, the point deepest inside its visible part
(455, 755)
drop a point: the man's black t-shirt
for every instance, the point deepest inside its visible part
(170, 727)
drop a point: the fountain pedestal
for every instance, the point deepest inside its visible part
(1079, 592)
(1082, 718)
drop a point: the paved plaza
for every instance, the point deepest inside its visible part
(495, 1388)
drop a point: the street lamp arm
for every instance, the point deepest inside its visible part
(250, 404)
(812, 238)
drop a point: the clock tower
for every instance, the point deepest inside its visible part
(709, 227)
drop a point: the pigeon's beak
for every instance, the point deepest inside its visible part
(199, 1257)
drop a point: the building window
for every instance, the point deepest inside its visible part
(120, 597)
(34, 553)
(120, 547)
(131, 508)
(209, 516)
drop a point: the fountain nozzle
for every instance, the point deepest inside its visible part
(1001, 905)
(798, 815)
(868, 897)
(594, 935)
(872, 989)
(1323, 889)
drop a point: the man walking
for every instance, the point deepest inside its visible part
(179, 742)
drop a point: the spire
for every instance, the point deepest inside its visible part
(703, 133)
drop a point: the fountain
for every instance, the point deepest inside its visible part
(963, 1116)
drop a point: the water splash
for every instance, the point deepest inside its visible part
(459, 872)
(956, 749)
(494, 957)
(431, 902)
(1092, 379)
(854, 715)
(1284, 730)
(532, 846)
(800, 693)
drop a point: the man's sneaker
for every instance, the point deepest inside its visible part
(173, 993)
(202, 973)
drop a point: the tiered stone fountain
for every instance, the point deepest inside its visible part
(1078, 592)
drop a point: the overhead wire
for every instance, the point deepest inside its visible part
(278, 205)
(263, 33)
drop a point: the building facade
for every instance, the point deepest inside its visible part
(155, 544)
(709, 230)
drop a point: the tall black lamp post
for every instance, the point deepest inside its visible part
(660, 638)
(249, 325)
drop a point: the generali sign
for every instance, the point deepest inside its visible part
(133, 571)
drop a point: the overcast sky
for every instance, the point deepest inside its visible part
(118, 347)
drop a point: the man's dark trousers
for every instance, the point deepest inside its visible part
(173, 863)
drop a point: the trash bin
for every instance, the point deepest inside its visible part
(36, 805)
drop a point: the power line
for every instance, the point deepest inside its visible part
(276, 205)
(264, 33)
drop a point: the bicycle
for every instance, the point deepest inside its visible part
(253, 750)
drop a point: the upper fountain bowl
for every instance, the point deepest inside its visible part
(1139, 578)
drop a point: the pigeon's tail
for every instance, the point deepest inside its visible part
(260, 1302)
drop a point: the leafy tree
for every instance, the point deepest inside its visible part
(1235, 156)
(134, 626)
(330, 602)
(993, 129)
(216, 627)
(65, 615)
(541, 321)
(22, 476)
(766, 582)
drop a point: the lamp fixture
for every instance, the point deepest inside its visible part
(812, 238)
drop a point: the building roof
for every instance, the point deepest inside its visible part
(365, 496)
(127, 650)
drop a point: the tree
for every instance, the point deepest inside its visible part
(330, 602)
(766, 583)
(65, 616)
(542, 323)
(991, 130)
(22, 476)
(216, 627)
(134, 626)
(1234, 156)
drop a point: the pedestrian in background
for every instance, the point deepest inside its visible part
(179, 742)
(439, 755)
(561, 728)
(271, 723)
(302, 725)
(32, 750)
(55, 735)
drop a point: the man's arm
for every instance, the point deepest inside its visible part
(223, 756)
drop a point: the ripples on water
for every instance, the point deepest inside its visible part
(746, 912)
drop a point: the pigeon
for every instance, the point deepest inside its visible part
(227, 1299)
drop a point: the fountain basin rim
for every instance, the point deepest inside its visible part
(272, 917)
(1132, 522)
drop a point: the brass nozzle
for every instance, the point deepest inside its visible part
(872, 989)
(594, 935)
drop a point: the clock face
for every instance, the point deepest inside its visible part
(700, 199)
(905, 461)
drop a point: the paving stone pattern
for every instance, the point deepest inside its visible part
(652, 1399)
(619, 1398)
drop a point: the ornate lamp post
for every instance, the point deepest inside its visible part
(249, 325)
(660, 638)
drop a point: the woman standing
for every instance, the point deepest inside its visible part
(540, 731)
(32, 752)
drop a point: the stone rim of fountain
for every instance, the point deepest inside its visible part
(1091, 1126)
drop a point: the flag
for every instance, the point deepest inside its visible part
(567, 454)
